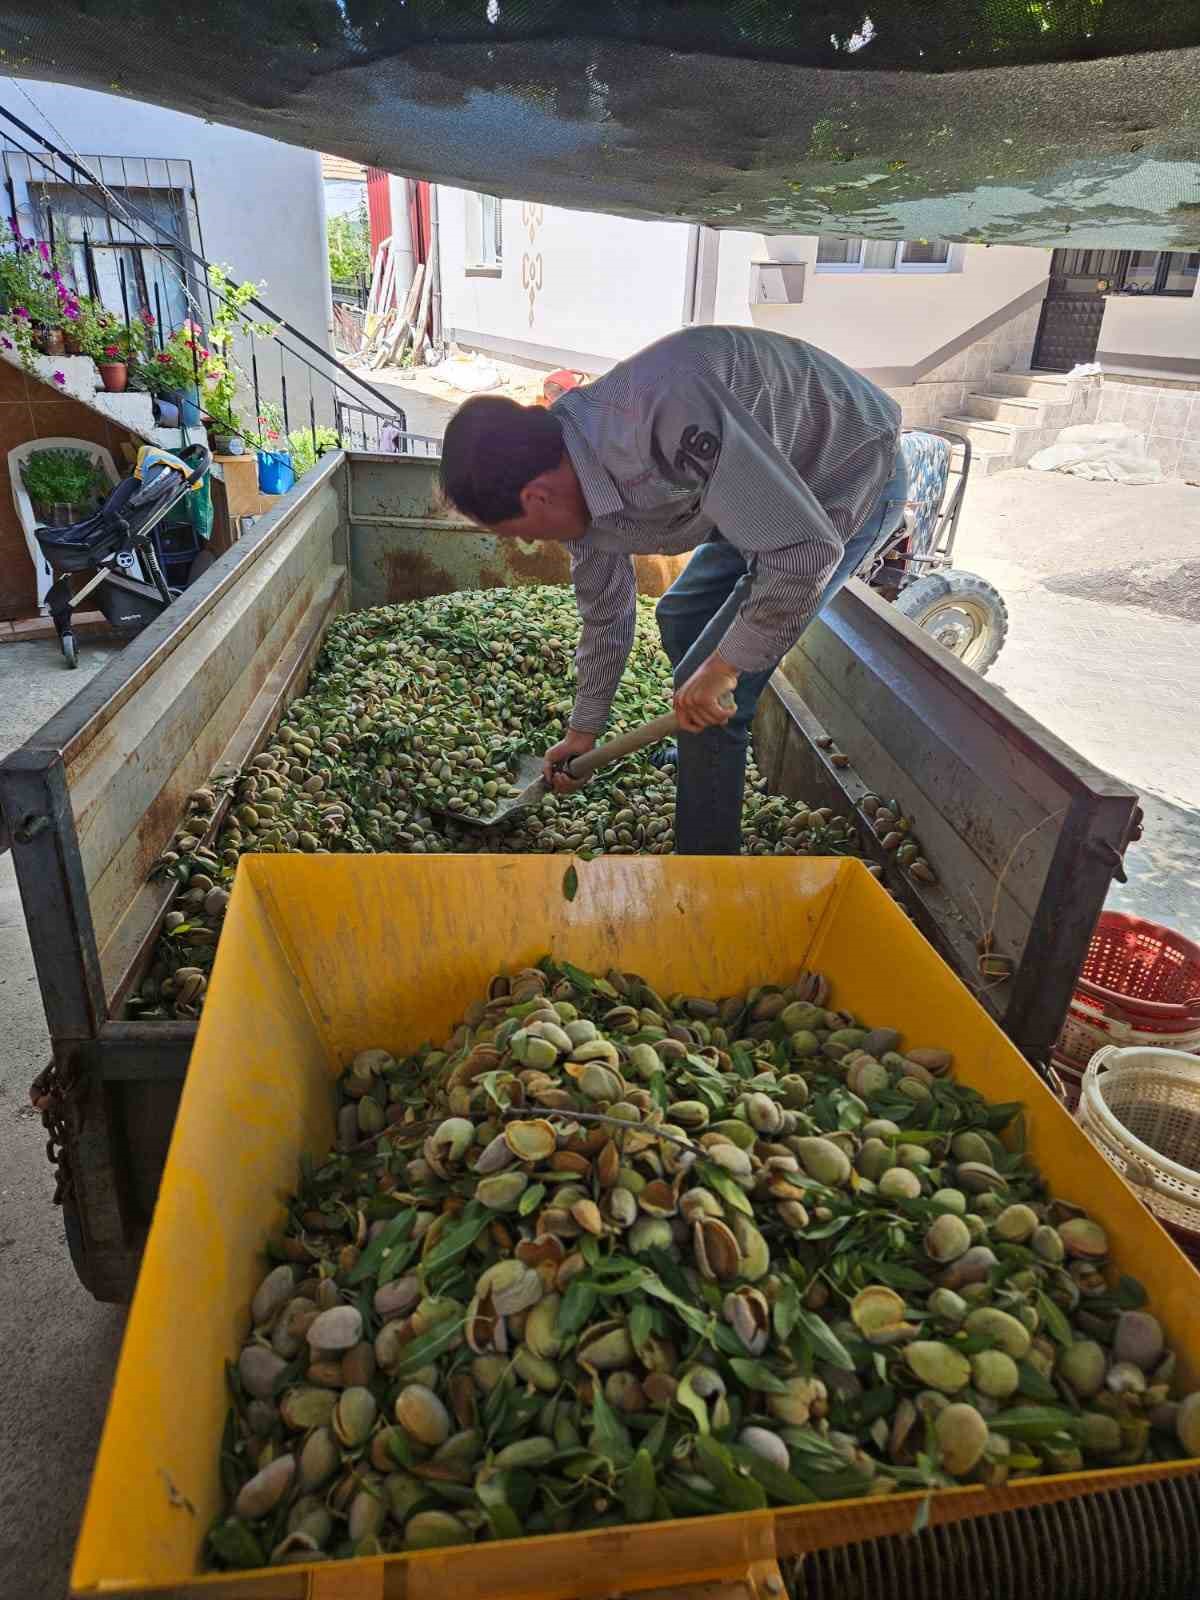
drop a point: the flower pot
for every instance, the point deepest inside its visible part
(114, 375)
(229, 444)
(71, 343)
(50, 341)
(57, 514)
(275, 475)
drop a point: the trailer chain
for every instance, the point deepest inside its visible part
(48, 1092)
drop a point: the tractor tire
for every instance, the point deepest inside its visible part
(963, 613)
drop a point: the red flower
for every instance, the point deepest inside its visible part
(112, 350)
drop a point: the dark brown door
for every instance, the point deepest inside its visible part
(1073, 309)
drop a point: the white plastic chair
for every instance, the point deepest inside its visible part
(16, 458)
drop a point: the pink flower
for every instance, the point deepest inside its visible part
(20, 311)
(44, 250)
(112, 350)
(60, 378)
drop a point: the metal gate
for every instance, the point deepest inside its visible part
(1069, 332)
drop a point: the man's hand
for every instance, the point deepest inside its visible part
(574, 744)
(698, 703)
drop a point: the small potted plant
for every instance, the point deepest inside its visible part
(276, 474)
(39, 302)
(123, 349)
(64, 486)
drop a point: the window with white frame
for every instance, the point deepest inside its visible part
(485, 250)
(835, 254)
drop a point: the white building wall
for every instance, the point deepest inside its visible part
(876, 321)
(1160, 331)
(261, 204)
(573, 289)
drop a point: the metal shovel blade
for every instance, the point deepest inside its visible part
(530, 787)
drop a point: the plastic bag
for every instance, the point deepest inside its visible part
(200, 510)
(1104, 451)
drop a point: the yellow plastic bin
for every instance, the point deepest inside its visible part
(324, 956)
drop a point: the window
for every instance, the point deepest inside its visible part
(100, 245)
(484, 242)
(1171, 272)
(835, 254)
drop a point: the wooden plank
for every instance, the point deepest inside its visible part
(129, 784)
(122, 959)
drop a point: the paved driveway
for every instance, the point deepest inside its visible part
(1103, 590)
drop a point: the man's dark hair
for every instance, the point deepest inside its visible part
(492, 448)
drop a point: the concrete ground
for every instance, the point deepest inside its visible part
(1102, 584)
(1104, 648)
(60, 1346)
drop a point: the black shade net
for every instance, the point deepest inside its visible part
(1022, 121)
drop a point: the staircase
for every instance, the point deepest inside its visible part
(1020, 413)
(132, 411)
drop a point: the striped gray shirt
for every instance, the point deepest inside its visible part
(778, 446)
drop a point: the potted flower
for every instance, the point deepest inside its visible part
(116, 347)
(39, 303)
(64, 486)
(275, 472)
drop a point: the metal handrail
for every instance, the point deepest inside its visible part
(96, 195)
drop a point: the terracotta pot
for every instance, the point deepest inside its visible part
(71, 344)
(50, 342)
(113, 375)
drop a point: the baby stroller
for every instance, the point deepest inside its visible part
(116, 541)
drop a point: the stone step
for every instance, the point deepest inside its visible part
(983, 462)
(131, 410)
(993, 437)
(1033, 384)
(1004, 408)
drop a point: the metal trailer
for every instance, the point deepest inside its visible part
(1024, 834)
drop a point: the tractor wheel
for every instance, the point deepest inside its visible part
(962, 612)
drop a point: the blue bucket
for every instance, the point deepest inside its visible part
(190, 415)
(275, 475)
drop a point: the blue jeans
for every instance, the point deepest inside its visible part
(693, 617)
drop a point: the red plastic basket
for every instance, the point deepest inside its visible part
(1140, 984)
(1141, 967)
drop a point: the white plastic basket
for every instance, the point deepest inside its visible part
(1141, 1108)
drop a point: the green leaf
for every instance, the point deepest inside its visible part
(639, 1488)
(389, 1236)
(610, 1438)
(738, 1492)
(826, 1230)
(724, 1184)
(895, 1276)
(1129, 1294)
(233, 1543)
(1034, 1384)
(578, 978)
(399, 1448)
(757, 1375)
(641, 1324)
(786, 1310)
(570, 883)
(822, 1341)
(1033, 1422)
(780, 1485)
(457, 1240)
(698, 1321)
(743, 1062)
(531, 1199)
(921, 1520)
(427, 1347)
(1055, 1320)
(577, 1306)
